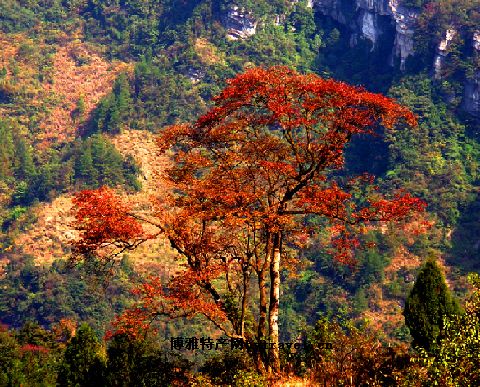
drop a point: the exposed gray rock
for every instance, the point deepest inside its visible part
(442, 52)
(195, 74)
(239, 23)
(371, 20)
(381, 7)
(309, 3)
(370, 28)
(367, 26)
(279, 19)
(409, 277)
(405, 23)
(332, 8)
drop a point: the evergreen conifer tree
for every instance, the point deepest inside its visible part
(428, 303)
(84, 165)
(25, 167)
(82, 364)
(123, 98)
(124, 356)
(107, 161)
(6, 151)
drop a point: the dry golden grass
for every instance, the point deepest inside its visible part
(142, 147)
(207, 52)
(9, 47)
(51, 236)
(79, 72)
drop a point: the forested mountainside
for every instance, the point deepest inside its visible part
(87, 85)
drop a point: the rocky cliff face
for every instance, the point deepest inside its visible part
(370, 19)
(376, 21)
(442, 52)
(367, 19)
(239, 23)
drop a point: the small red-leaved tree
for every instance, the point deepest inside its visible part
(245, 175)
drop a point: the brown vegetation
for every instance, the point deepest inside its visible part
(79, 72)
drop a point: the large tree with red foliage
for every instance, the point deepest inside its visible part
(245, 175)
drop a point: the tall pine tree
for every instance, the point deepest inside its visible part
(428, 303)
(82, 363)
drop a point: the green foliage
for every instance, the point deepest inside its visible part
(97, 163)
(294, 43)
(249, 379)
(10, 360)
(6, 152)
(342, 354)
(415, 3)
(32, 333)
(16, 160)
(427, 305)
(456, 361)
(28, 357)
(162, 96)
(332, 289)
(82, 363)
(359, 64)
(79, 111)
(19, 15)
(39, 354)
(259, 8)
(124, 355)
(14, 17)
(114, 108)
(436, 160)
(41, 176)
(13, 215)
(46, 295)
(360, 301)
(132, 362)
(464, 241)
(127, 26)
(229, 367)
(459, 60)
(173, 82)
(322, 333)
(33, 356)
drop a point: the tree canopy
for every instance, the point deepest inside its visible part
(246, 175)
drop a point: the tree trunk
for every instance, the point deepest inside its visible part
(246, 280)
(274, 351)
(262, 319)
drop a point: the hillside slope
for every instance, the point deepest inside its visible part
(178, 56)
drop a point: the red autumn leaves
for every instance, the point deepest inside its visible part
(104, 223)
(246, 174)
